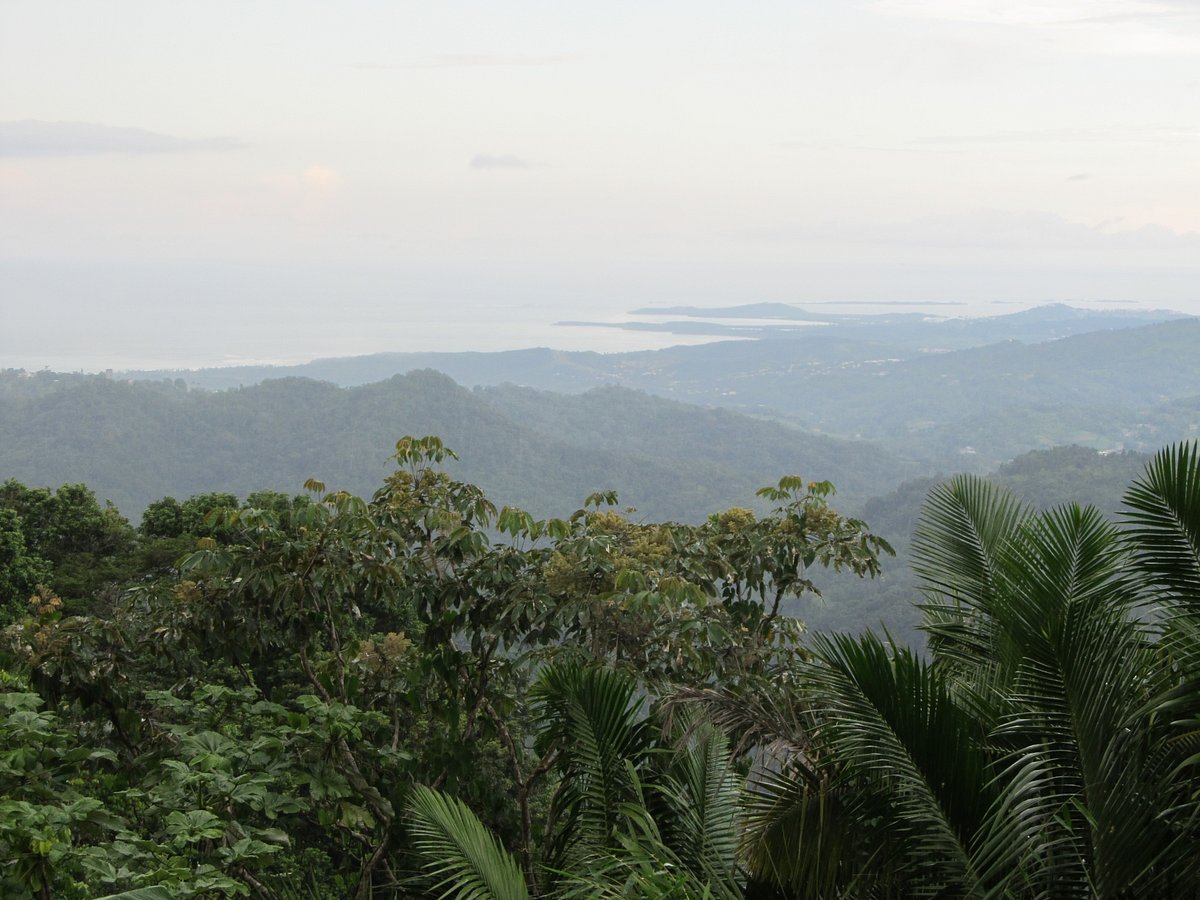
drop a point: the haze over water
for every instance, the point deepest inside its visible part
(93, 317)
(193, 184)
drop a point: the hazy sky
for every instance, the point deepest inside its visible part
(566, 156)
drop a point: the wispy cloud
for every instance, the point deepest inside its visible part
(472, 61)
(832, 146)
(998, 230)
(1043, 12)
(34, 138)
(1081, 176)
(1148, 134)
(1153, 27)
(501, 161)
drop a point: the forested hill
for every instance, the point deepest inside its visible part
(836, 340)
(976, 407)
(136, 442)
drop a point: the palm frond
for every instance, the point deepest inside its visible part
(1162, 525)
(1077, 665)
(892, 724)
(702, 791)
(959, 544)
(760, 712)
(592, 716)
(461, 856)
(638, 865)
(803, 833)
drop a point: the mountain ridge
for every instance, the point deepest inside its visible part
(134, 442)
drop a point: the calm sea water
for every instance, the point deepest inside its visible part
(71, 317)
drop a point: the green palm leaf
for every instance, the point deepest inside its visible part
(909, 751)
(887, 791)
(1069, 658)
(464, 858)
(795, 829)
(1163, 523)
(964, 527)
(702, 793)
(803, 832)
(637, 863)
(1162, 534)
(591, 715)
(960, 543)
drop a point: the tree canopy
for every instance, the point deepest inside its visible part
(421, 694)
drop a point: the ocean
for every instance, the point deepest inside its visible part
(100, 316)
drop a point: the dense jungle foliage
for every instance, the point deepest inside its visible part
(423, 695)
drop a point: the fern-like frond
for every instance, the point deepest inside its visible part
(899, 738)
(702, 791)
(959, 545)
(592, 716)
(1162, 526)
(461, 856)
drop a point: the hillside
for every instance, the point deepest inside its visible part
(836, 339)
(136, 442)
(973, 407)
(911, 331)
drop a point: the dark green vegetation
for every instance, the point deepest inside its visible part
(421, 695)
(253, 718)
(322, 696)
(64, 541)
(536, 449)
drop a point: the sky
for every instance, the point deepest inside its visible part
(215, 181)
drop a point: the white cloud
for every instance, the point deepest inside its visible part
(1000, 230)
(33, 138)
(472, 61)
(321, 179)
(1129, 27)
(500, 161)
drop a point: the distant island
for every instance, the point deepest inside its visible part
(783, 320)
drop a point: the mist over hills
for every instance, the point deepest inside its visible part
(883, 420)
(840, 339)
(865, 401)
(1112, 382)
(906, 331)
(134, 442)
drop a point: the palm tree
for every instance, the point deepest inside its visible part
(640, 809)
(1049, 747)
